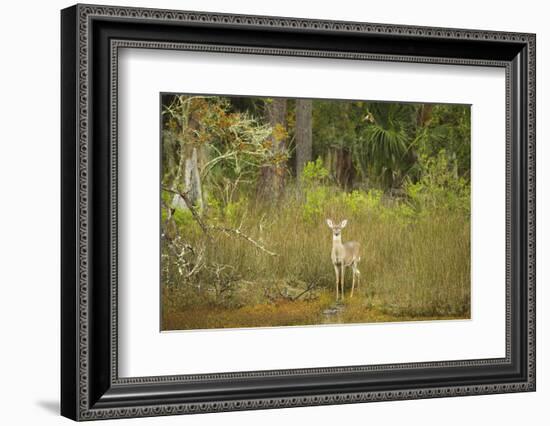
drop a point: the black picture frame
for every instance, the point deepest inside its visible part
(90, 38)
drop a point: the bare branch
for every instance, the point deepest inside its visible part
(310, 287)
(198, 265)
(239, 233)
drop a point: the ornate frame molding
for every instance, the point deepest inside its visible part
(82, 16)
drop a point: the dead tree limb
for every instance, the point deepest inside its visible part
(240, 234)
(206, 228)
(310, 287)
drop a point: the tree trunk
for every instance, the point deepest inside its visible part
(303, 134)
(191, 180)
(169, 157)
(424, 115)
(340, 164)
(272, 176)
(188, 173)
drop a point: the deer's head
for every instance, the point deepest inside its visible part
(337, 228)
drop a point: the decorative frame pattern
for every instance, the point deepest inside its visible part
(87, 402)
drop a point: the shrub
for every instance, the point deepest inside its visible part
(315, 202)
(314, 173)
(440, 187)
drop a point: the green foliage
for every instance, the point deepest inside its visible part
(440, 187)
(335, 124)
(374, 198)
(314, 173)
(388, 135)
(316, 195)
(401, 213)
(449, 129)
(315, 201)
(387, 139)
(354, 201)
(357, 201)
(183, 218)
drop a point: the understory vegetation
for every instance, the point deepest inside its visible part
(248, 184)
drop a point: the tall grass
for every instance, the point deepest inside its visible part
(415, 264)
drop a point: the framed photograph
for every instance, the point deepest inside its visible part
(263, 212)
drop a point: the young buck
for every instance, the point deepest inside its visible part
(342, 255)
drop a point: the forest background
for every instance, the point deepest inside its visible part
(248, 183)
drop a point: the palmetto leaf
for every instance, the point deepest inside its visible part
(386, 145)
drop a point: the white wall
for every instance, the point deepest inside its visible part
(29, 225)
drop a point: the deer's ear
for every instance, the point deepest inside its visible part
(344, 223)
(329, 223)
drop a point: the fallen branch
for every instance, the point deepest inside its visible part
(310, 287)
(242, 235)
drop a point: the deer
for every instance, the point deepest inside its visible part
(342, 256)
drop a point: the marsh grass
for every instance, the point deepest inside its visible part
(415, 264)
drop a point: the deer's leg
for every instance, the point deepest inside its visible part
(342, 278)
(353, 269)
(336, 270)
